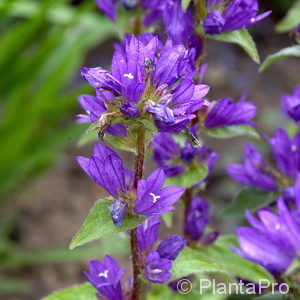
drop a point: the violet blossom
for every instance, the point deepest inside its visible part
(197, 218)
(175, 159)
(153, 198)
(142, 83)
(238, 14)
(254, 171)
(226, 113)
(106, 277)
(291, 104)
(273, 241)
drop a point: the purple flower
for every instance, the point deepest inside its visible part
(105, 277)
(157, 268)
(146, 79)
(167, 151)
(197, 218)
(152, 198)
(105, 167)
(109, 6)
(148, 233)
(273, 241)
(253, 172)
(238, 14)
(171, 246)
(170, 11)
(226, 113)
(291, 104)
(286, 152)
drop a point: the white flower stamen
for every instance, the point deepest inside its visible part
(129, 76)
(154, 197)
(104, 274)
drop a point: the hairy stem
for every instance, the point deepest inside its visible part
(136, 264)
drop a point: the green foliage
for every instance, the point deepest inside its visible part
(191, 261)
(291, 19)
(293, 51)
(43, 44)
(250, 198)
(99, 223)
(272, 296)
(14, 258)
(241, 38)
(185, 4)
(232, 131)
(168, 218)
(12, 286)
(83, 291)
(236, 265)
(188, 178)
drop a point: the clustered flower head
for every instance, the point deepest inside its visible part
(256, 172)
(273, 241)
(235, 15)
(146, 79)
(291, 104)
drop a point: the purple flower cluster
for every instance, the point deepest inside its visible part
(291, 104)
(256, 172)
(273, 241)
(105, 167)
(106, 277)
(167, 152)
(146, 79)
(238, 14)
(158, 262)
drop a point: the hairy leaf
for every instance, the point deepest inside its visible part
(250, 198)
(99, 223)
(232, 131)
(192, 261)
(79, 292)
(285, 52)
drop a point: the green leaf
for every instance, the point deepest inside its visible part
(99, 223)
(250, 198)
(188, 178)
(241, 38)
(185, 4)
(168, 218)
(232, 131)
(271, 296)
(191, 261)
(232, 262)
(271, 59)
(79, 292)
(291, 19)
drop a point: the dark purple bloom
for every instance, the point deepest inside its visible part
(298, 29)
(105, 167)
(166, 150)
(146, 79)
(253, 172)
(197, 218)
(171, 246)
(226, 113)
(210, 238)
(286, 152)
(178, 24)
(148, 233)
(152, 198)
(273, 241)
(213, 3)
(157, 268)
(105, 277)
(238, 14)
(291, 104)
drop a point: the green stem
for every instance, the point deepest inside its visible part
(136, 263)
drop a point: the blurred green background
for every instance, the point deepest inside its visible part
(44, 196)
